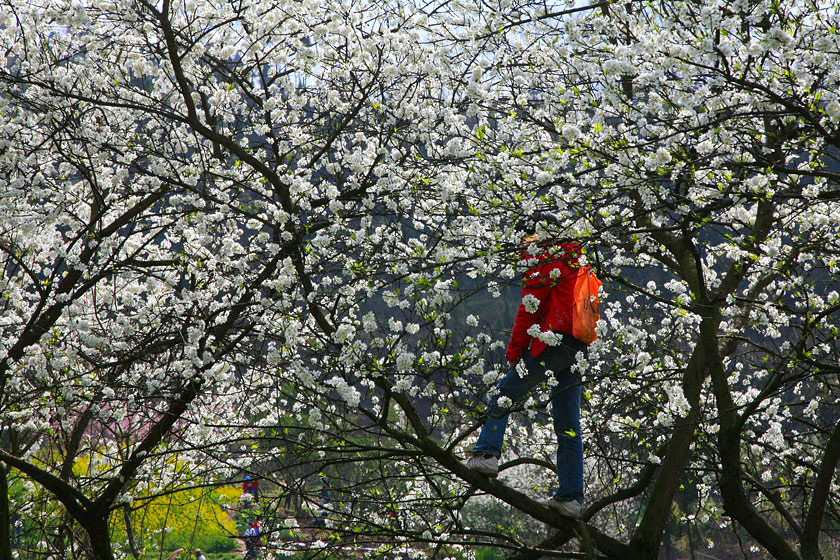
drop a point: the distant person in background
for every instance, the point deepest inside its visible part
(17, 524)
(251, 486)
(324, 498)
(252, 540)
(199, 555)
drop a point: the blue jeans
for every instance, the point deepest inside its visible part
(565, 411)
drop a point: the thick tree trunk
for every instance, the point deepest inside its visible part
(5, 517)
(100, 538)
(736, 502)
(810, 543)
(647, 539)
(93, 519)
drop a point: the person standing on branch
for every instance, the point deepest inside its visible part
(542, 344)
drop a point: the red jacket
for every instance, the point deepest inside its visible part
(552, 281)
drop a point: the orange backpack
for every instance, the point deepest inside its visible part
(585, 314)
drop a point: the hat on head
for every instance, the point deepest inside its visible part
(543, 216)
(524, 225)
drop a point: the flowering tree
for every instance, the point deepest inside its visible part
(277, 239)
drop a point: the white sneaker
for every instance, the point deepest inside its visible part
(571, 508)
(485, 464)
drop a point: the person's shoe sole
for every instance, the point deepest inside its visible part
(476, 465)
(572, 509)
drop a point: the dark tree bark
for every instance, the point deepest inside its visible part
(810, 547)
(6, 531)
